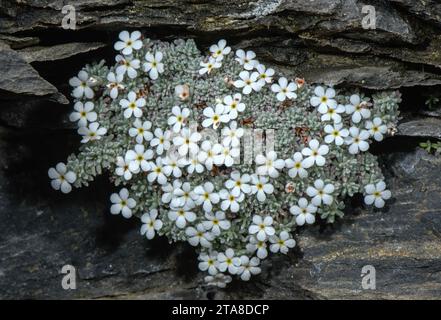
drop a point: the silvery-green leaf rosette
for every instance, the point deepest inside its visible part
(222, 151)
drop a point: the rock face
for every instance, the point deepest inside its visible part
(18, 77)
(321, 40)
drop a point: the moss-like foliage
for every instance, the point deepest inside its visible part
(233, 213)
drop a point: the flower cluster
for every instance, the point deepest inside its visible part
(183, 135)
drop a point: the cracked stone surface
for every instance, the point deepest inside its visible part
(322, 41)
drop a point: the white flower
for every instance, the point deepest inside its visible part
(91, 133)
(323, 100)
(61, 178)
(208, 262)
(153, 65)
(261, 187)
(219, 50)
(178, 119)
(336, 134)
(264, 75)
(161, 140)
(83, 113)
(269, 165)
(193, 164)
(230, 201)
(219, 280)
(172, 166)
(208, 66)
(208, 153)
(284, 90)
(262, 227)
(376, 194)
(216, 222)
(227, 261)
(259, 246)
(187, 141)
(183, 196)
(205, 196)
(248, 267)
(238, 183)
(296, 166)
(132, 105)
(232, 135)
(246, 59)
(304, 212)
(150, 224)
(233, 105)
(168, 191)
(320, 193)
(122, 203)
(247, 82)
(141, 131)
(82, 86)
(181, 217)
(115, 84)
(282, 243)
(157, 172)
(182, 91)
(129, 42)
(214, 117)
(357, 109)
(199, 236)
(127, 64)
(138, 158)
(315, 154)
(333, 114)
(376, 128)
(357, 140)
(226, 156)
(122, 168)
